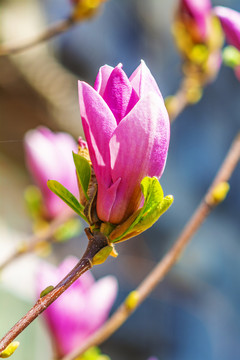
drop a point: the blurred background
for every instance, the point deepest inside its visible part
(194, 313)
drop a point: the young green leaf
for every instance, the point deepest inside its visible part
(67, 197)
(149, 218)
(83, 169)
(154, 206)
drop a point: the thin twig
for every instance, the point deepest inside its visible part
(94, 246)
(31, 244)
(189, 93)
(52, 31)
(163, 267)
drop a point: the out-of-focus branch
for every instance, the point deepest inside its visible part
(213, 197)
(32, 243)
(95, 244)
(81, 10)
(189, 93)
(52, 31)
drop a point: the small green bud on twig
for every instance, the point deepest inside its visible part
(46, 291)
(220, 191)
(132, 300)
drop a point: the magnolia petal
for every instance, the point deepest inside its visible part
(199, 11)
(100, 300)
(102, 78)
(105, 200)
(138, 148)
(98, 125)
(143, 82)
(230, 21)
(119, 94)
(48, 155)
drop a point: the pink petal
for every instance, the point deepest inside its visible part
(100, 300)
(138, 148)
(102, 78)
(69, 325)
(49, 156)
(105, 199)
(230, 20)
(98, 125)
(119, 94)
(200, 12)
(143, 82)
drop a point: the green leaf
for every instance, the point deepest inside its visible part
(154, 206)
(150, 217)
(152, 192)
(83, 169)
(67, 197)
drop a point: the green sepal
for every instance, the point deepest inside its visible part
(102, 255)
(154, 206)
(83, 169)
(150, 218)
(67, 197)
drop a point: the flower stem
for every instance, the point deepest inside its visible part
(52, 31)
(96, 243)
(31, 244)
(164, 266)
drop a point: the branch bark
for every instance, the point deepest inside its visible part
(52, 31)
(94, 246)
(30, 244)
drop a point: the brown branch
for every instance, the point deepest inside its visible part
(163, 267)
(52, 31)
(96, 243)
(31, 244)
(189, 93)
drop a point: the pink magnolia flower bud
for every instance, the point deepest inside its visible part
(49, 155)
(230, 21)
(127, 129)
(80, 310)
(196, 14)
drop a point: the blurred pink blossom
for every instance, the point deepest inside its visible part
(230, 21)
(197, 13)
(49, 156)
(80, 310)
